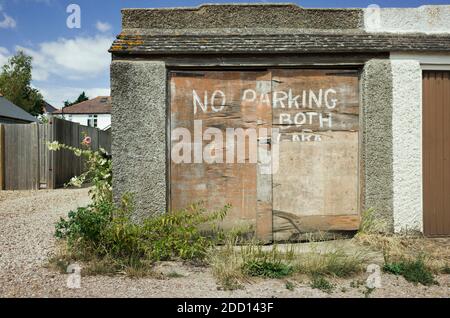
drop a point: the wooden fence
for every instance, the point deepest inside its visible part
(27, 164)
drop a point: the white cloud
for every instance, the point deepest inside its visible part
(103, 26)
(57, 95)
(8, 22)
(72, 59)
(4, 55)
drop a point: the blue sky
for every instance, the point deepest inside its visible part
(68, 61)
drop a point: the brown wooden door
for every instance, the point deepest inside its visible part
(316, 187)
(436, 153)
(303, 179)
(222, 100)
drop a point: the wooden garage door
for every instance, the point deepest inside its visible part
(436, 152)
(305, 177)
(316, 187)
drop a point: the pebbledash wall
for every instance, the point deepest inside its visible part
(390, 46)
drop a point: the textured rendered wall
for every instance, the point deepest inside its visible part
(407, 145)
(377, 149)
(425, 19)
(138, 91)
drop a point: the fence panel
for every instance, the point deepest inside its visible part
(2, 157)
(26, 163)
(21, 157)
(104, 140)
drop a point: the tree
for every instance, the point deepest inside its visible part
(15, 84)
(81, 98)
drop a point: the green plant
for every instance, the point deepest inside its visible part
(368, 291)
(321, 283)
(267, 268)
(98, 169)
(270, 264)
(413, 271)
(174, 275)
(446, 269)
(85, 223)
(105, 234)
(290, 286)
(371, 223)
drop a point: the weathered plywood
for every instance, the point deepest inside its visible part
(290, 227)
(318, 178)
(216, 100)
(316, 186)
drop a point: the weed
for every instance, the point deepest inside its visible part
(368, 291)
(413, 271)
(174, 275)
(226, 265)
(290, 286)
(321, 283)
(266, 268)
(371, 223)
(357, 283)
(446, 269)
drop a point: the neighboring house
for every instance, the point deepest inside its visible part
(48, 109)
(12, 114)
(94, 113)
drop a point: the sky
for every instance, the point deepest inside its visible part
(67, 61)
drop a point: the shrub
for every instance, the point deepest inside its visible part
(106, 235)
(413, 271)
(85, 223)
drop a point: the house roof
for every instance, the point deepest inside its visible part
(9, 110)
(98, 105)
(49, 108)
(292, 42)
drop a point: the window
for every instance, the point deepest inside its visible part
(92, 121)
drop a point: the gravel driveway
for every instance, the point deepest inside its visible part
(26, 240)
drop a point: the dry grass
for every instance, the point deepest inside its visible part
(92, 265)
(435, 252)
(234, 266)
(334, 262)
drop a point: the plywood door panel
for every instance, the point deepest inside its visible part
(212, 99)
(316, 186)
(436, 153)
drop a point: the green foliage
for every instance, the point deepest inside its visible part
(165, 237)
(266, 268)
(15, 84)
(104, 231)
(413, 271)
(321, 283)
(268, 264)
(174, 275)
(98, 170)
(109, 232)
(81, 98)
(86, 223)
(290, 286)
(371, 223)
(446, 269)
